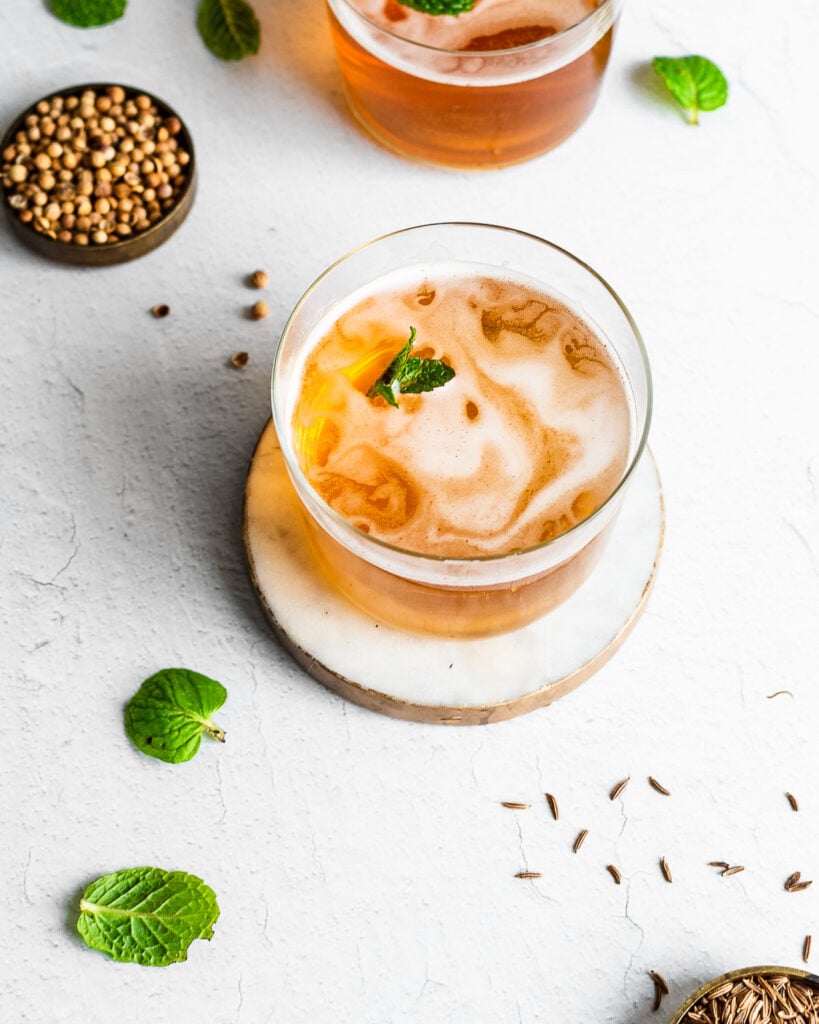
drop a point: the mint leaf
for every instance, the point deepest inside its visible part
(168, 714)
(147, 915)
(229, 28)
(439, 6)
(88, 13)
(696, 83)
(431, 374)
(410, 375)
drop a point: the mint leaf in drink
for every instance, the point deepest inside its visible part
(696, 83)
(88, 13)
(410, 375)
(168, 714)
(229, 28)
(147, 915)
(439, 6)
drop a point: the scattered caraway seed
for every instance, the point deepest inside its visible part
(735, 870)
(792, 801)
(529, 874)
(160, 311)
(718, 864)
(258, 279)
(514, 806)
(792, 879)
(259, 310)
(552, 802)
(618, 789)
(581, 838)
(779, 693)
(759, 999)
(800, 886)
(656, 785)
(239, 359)
(666, 870)
(615, 874)
(660, 981)
(806, 948)
(659, 992)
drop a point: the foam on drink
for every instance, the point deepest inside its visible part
(530, 437)
(490, 25)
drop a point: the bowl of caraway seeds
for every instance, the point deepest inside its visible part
(754, 995)
(97, 174)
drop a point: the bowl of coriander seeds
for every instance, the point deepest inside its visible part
(97, 174)
(754, 995)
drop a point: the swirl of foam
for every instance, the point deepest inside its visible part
(490, 25)
(529, 437)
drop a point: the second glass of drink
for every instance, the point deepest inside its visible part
(495, 85)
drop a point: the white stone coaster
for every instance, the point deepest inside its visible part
(433, 679)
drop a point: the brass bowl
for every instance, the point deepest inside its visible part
(123, 249)
(745, 972)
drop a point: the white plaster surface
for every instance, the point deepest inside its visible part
(364, 865)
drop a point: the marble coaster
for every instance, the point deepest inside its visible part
(434, 679)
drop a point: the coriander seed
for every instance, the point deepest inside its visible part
(160, 311)
(258, 279)
(259, 310)
(69, 148)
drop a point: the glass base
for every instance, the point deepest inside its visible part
(433, 679)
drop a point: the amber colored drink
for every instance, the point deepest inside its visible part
(494, 86)
(477, 507)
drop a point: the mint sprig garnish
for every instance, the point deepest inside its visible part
(229, 28)
(147, 915)
(696, 83)
(410, 375)
(168, 714)
(88, 13)
(439, 6)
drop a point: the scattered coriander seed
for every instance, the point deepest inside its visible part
(259, 310)
(239, 359)
(160, 311)
(258, 279)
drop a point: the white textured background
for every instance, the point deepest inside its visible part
(363, 866)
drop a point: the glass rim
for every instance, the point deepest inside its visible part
(295, 469)
(544, 43)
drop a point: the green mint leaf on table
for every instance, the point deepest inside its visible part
(695, 83)
(410, 375)
(439, 6)
(147, 915)
(168, 714)
(229, 28)
(88, 13)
